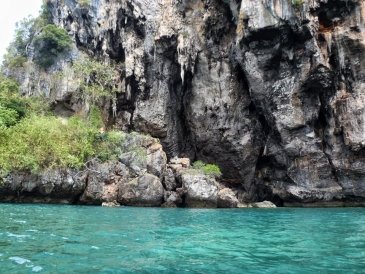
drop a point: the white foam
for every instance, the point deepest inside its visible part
(17, 235)
(37, 268)
(20, 221)
(95, 247)
(19, 260)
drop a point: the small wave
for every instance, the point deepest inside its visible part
(37, 268)
(20, 221)
(17, 235)
(19, 260)
(95, 247)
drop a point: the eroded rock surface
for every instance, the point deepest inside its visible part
(271, 91)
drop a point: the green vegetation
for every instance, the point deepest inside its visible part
(207, 169)
(17, 51)
(49, 44)
(13, 107)
(98, 79)
(84, 3)
(47, 40)
(297, 3)
(31, 139)
(41, 142)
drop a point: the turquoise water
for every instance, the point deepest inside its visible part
(75, 239)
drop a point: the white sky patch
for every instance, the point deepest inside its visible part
(13, 11)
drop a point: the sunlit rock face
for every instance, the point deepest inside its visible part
(271, 90)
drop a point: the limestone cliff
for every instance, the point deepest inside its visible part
(273, 91)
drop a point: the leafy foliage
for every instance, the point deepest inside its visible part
(25, 32)
(47, 40)
(16, 54)
(84, 3)
(208, 169)
(32, 139)
(98, 79)
(297, 3)
(8, 117)
(49, 44)
(40, 142)
(14, 107)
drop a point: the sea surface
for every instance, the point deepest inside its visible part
(81, 239)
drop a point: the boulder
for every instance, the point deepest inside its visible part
(110, 204)
(173, 199)
(201, 190)
(264, 204)
(156, 160)
(170, 182)
(103, 182)
(227, 198)
(146, 190)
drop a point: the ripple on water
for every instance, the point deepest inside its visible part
(37, 268)
(20, 221)
(26, 262)
(18, 236)
(176, 240)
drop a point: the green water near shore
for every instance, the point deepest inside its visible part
(76, 239)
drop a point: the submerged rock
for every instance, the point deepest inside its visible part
(264, 204)
(110, 204)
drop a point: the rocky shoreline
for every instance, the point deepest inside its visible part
(273, 92)
(133, 180)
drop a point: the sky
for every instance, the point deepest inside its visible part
(11, 12)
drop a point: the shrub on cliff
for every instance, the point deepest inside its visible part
(50, 44)
(41, 142)
(98, 78)
(18, 50)
(297, 3)
(84, 3)
(13, 107)
(207, 169)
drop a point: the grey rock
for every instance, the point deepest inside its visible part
(103, 182)
(58, 186)
(110, 204)
(156, 160)
(271, 91)
(264, 204)
(227, 198)
(201, 190)
(146, 190)
(170, 181)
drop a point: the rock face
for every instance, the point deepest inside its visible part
(201, 190)
(146, 190)
(271, 91)
(61, 186)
